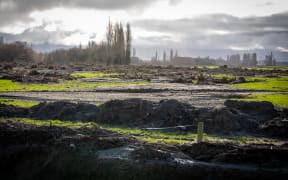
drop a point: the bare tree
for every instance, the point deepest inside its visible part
(109, 39)
(128, 44)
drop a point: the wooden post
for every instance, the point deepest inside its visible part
(200, 128)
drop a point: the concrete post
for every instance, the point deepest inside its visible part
(200, 128)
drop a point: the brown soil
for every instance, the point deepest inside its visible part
(48, 152)
(63, 153)
(43, 73)
(237, 116)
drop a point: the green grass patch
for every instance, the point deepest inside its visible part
(150, 136)
(70, 124)
(207, 67)
(18, 102)
(265, 83)
(93, 74)
(221, 76)
(269, 68)
(153, 71)
(74, 85)
(185, 138)
(155, 136)
(280, 100)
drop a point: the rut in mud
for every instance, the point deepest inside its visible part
(34, 152)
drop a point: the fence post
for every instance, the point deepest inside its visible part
(200, 127)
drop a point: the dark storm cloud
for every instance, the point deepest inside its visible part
(18, 10)
(217, 22)
(222, 30)
(39, 35)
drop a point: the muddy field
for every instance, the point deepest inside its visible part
(193, 85)
(62, 153)
(164, 99)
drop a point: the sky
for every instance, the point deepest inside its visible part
(193, 27)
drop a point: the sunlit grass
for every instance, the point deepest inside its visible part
(70, 124)
(155, 136)
(186, 138)
(283, 68)
(150, 136)
(74, 85)
(207, 67)
(280, 100)
(221, 76)
(153, 71)
(18, 102)
(93, 74)
(265, 83)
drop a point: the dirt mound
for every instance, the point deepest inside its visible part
(16, 132)
(263, 110)
(12, 132)
(236, 117)
(226, 120)
(63, 110)
(145, 113)
(232, 153)
(171, 113)
(34, 76)
(129, 111)
(50, 152)
(12, 111)
(276, 127)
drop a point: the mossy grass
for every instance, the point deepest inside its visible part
(70, 124)
(277, 99)
(264, 83)
(18, 102)
(93, 74)
(73, 85)
(186, 138)
(227, 76)
(150, 136)
(268, 68)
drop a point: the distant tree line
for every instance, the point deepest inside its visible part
(17, 51)
(116, 49)
(165, 59)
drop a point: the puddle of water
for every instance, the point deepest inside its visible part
(122, 153)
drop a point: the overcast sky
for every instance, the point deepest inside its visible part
(187, 25)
